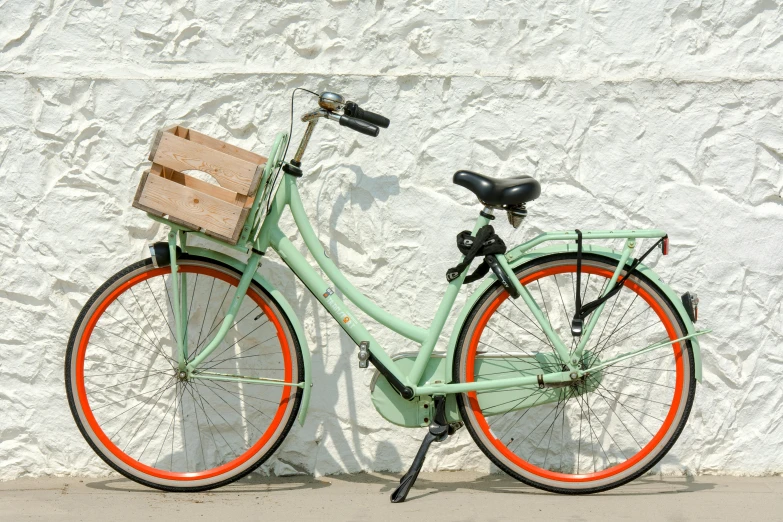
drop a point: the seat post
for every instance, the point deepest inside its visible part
(488, 212)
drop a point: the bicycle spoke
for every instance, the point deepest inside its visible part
(149, 440)
(125, 449)
(626, 408)
(520, 441)
(562, 301)
(606, 430)
(119, 355)
(170, 428)
(592, 433)
(242, 357)
(523, 328)
(201, 401)
(235, 343)
(141, 404)
(245, 395)
(144, 314)
(127, 382)
(206, 338)
(141, 330)
(206, 311)
(600, 349)
(219, 414)
(136, 344)
(142, 394)
(241, 351)
(508, 341)
(535, 446)
(619, 419)
(246, 404)
(540, 393)
(123, 366)
(543, 302)
(637, 379)
(198, 424)
(192, 295)
(546, 339)
(162, 313)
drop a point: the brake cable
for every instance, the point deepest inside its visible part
(288, 142)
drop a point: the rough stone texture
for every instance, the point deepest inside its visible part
(633, 114)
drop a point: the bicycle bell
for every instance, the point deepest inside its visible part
(331, 101)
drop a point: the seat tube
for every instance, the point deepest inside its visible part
(444, 309)
(557, 344)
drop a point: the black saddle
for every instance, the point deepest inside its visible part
(495, 192)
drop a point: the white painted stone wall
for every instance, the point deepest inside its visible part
(658, 113)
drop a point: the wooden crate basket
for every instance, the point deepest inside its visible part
(218, 210)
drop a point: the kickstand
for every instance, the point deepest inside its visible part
(438, 432)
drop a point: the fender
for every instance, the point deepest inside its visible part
(559, 249)
(285, 307)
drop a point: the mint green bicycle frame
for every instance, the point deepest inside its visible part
(263, 232)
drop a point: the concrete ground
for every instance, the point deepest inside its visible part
(451, 496)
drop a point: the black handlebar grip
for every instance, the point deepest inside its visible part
(351, 109)
(359, 126)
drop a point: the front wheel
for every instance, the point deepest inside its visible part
(595, 434)
(150, 422)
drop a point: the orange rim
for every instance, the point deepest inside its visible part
(133, 463)
(553, 475)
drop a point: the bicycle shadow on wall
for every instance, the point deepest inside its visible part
(364, 191)
(337, 385)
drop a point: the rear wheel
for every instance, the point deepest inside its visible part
(147, 422)
(595, 434)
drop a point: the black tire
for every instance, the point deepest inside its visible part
(219, 481)
(516, 471)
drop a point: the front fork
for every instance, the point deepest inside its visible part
(571, 360)
(179, 285)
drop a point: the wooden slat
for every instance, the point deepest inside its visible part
(227, 148)
(191, 206)
(139, 192)
(256, 181)
(158, 136)
(230, 172)
(237, 231)
(208, 188)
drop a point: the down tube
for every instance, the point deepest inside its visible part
(298, 264)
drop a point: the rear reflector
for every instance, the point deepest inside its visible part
(691, 303)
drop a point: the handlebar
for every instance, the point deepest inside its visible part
(353, 117)
(331, 105)
(352, 109)
(359, 125)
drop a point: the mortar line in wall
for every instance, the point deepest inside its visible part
(586, 79)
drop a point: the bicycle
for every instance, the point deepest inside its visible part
(572, 366)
